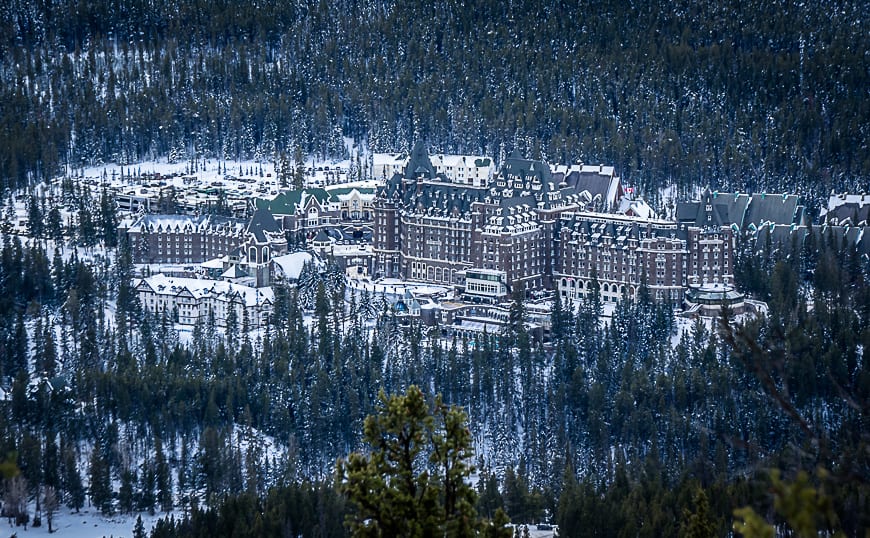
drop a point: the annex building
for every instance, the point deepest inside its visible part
(181, 238)
(189, 301)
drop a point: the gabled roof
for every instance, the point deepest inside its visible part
(344, 193)
(184, 223)
(606, 187)
(743, 210)
(527, 169)
(776, 208)
(419, 165)
(443, 199)
(852, 209)
(202, 289)
(290, 265)
(321, 237)
(597, 226)
(262, 222)
(289, 202)
(523, 182)
(234, 271)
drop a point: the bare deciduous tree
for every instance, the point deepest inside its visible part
(49, 505)
(15, 501)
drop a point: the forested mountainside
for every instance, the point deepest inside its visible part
(616, 426)
(743, 96)
(629, 427)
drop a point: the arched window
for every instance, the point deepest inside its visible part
(252, 255)
(265, 254)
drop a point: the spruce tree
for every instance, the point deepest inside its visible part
(100, 482)
(414, 481)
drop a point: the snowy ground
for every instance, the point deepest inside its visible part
(235, 175)
(535, 533)
(393, 286)
(89, 525)
(85, 524)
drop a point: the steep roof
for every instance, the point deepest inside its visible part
(262, 222)
(344, 193)
(202, 288)
(620, 229)
(155, 222)
(843, 236)
(290, 265)
(443, 199)
(526, 169)
(419, 164)
(234, 271)
(321, 237)
(598, 182)
(776, 208)
(743, 210)
(288, 202)
(520, 182)
(853, 209)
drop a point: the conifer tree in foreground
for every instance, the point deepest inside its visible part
(413, 482)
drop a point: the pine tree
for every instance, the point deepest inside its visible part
(35, 223)
(138, 529)
(163, 477)
(125, 491)
(414, 482)
(100, 482)
(72, 480)
(299, 172)
(54, 225)
(698, 524)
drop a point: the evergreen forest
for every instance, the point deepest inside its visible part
(633, 426)
(641, 425)
(753, 96)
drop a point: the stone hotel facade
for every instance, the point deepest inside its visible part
(429, 228)
(560, 229)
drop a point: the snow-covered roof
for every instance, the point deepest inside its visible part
(182, 222)
(344, 195)
(203, 288)
(837, 200)
(216, 263)
(234, 271)
(852, 209)
(291, 264)
(389, 158)
(353, 249)
(638, 208)
(461, 161)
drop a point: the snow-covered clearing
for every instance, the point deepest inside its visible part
(239, 175)
(85, 524)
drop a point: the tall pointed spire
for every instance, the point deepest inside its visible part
(419, 164)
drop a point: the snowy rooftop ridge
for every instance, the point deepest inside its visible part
(167, 222)
(836, 200)
(202, 288)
